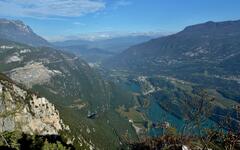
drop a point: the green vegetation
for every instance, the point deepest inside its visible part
(170, 100)
(203, 54)
(131, 114)
(198, 88)
(18, 140)
(75, 81)
(224, 135)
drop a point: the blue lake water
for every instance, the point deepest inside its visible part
(158, 115)
(135, 87)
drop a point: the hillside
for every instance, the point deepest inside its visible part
(75, 89)
(206, 54)
(67, 81)
(204, 45)
(169, 74)
(90, 55)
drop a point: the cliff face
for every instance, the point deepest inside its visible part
(23, 111)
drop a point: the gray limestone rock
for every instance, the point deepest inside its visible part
(29, 115)
(8, 124)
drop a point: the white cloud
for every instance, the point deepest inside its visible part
(121, 3)
(49, 8)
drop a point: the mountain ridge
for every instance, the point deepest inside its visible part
(208, 57)
(16, 30)
(66, 80)
(197, 42)
(115, 44)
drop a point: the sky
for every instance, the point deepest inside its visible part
(62, 19)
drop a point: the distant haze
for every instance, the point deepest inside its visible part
(96, 36)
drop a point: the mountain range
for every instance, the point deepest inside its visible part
(130, 96)
(73, 87)
(96, 51)
(211, 43)
(203, 53)
(168, 70)
(114, 44)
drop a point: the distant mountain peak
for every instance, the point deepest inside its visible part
(18, 31)
(18, 23)
(22, 26)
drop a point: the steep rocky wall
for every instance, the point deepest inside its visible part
(24, 111)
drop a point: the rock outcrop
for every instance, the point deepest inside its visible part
(24, 111)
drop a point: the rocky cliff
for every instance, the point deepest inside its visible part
(21, 110)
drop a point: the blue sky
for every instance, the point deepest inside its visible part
(58, 18)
